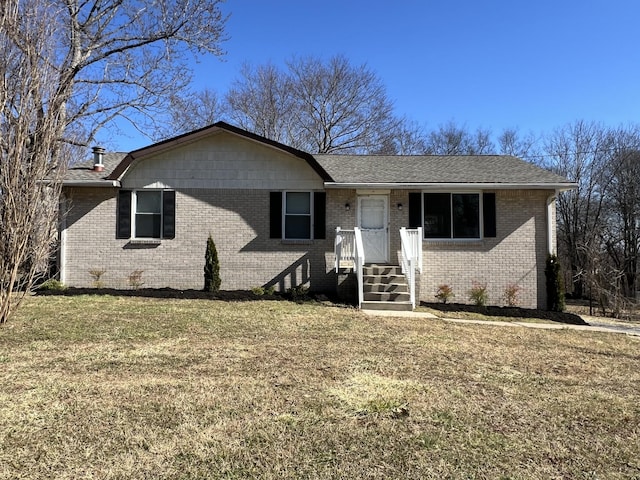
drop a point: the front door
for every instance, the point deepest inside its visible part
(373, 213)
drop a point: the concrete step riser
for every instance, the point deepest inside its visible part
(384, 279)
(391, 306)
(386, 287)
(382, 271)
(386, 297)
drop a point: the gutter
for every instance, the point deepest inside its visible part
(558, 187)
(91, 183)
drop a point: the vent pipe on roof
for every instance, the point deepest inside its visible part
(98, 153)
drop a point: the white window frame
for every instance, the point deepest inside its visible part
(451, 237)
(134, 212)
(285, 214)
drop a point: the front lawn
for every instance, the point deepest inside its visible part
(115, 387)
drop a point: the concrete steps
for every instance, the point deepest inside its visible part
(385, 288)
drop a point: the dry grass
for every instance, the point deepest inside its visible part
(108, 387)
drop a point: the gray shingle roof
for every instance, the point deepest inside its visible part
(430, 169)
(83, 172)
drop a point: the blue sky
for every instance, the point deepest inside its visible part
(534, 65)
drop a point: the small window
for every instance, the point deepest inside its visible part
(451, 215)
(148, 214)
(297, 216)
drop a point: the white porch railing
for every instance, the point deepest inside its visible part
(359, 256)
(349, 251)
(411, 258)
(344, 248)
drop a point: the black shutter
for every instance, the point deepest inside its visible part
(123, 222)
(319, 215)
(489, 213)
(415, 209)
(275, 214)
(169, 214)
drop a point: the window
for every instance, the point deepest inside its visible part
(454, 215)
(297, 215)
(146, 214)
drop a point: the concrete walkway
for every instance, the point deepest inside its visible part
(594, 324)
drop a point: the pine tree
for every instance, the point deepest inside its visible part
(211, 268)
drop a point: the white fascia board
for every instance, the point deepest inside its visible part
(91, 183)
(454, 186)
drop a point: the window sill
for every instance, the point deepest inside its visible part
(455, 241)
(145, 241)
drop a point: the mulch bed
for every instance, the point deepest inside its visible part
(513, 312)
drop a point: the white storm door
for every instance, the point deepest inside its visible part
(373, 214)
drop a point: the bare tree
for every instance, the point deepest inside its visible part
(580, 152)
(318, 106)
(191, 110)
(408, 138)
(68, 68)
(511, 142)
(453, 139)
(261, 101)
(622, 214)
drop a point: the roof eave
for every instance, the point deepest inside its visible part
(459, 185)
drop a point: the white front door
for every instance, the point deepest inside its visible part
(373, 220)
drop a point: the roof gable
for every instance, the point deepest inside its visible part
(121, 169)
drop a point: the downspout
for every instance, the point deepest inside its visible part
(551, 202)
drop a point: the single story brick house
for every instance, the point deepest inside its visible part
(282, 217)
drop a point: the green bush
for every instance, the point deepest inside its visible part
(298, 293)
(211, 268)
(555, 288)
(52, 285)
(478, 294)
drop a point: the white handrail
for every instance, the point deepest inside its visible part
(349, 251)
(359, 263)
(411, 258)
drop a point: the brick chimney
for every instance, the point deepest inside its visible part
(98, 153)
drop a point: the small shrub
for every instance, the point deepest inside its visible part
(96, 274)
(259, 291)
(555, 290)
(52, 285)
(444, 293)
(298, 293)
(478, 294)
(512, 294)
(135, 279)
(211, 268)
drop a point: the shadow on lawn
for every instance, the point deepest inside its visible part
(507, 312)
